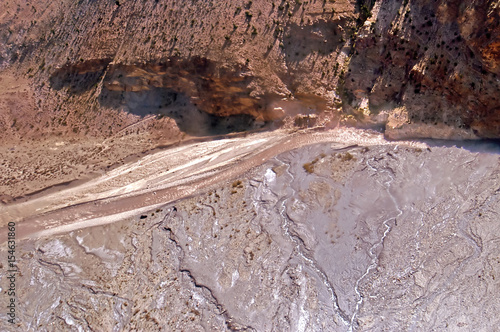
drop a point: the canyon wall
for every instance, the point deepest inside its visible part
(423, 68)
(96, 82)
(432, 65)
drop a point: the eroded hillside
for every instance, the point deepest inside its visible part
(127, 76)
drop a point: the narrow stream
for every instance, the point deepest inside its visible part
(372, 250)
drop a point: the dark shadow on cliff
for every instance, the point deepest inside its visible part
(79, 77)
(475, 146)
(185, 90)
(167, 102)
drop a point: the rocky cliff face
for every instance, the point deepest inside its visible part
(436, 63)
(227, 58)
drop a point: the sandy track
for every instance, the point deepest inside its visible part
(161, 178)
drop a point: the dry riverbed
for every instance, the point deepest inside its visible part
(362, 235)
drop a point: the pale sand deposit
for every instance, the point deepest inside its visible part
(164, 177)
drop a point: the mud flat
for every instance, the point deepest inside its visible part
(333, 237)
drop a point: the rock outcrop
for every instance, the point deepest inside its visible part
(438, 60)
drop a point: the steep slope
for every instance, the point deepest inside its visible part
(436, 63)
(138, 74)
